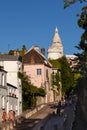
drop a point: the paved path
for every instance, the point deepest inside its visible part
(46, 120)
(56, 122)
(30, 123)
(69, 110)
(63, 122)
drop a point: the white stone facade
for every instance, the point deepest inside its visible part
(3, 92)
(13, 65)
(12, 99)
(55, 51)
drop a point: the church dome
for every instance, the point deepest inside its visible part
(55, 51)
(56, 38)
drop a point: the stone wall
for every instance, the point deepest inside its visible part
(83, 96)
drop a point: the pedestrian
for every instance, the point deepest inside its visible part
(58, 111)
(58, 108)
(9, 115)
(13, 115)
(4, 116)
(59, 104)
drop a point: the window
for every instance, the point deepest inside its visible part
(3, 80)
(39, 72)
(3, 102)
(47, 73)
(10, 91)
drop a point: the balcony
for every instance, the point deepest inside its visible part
(12, 95)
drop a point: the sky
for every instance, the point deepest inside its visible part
(33, 23)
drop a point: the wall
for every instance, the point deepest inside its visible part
(42, 80)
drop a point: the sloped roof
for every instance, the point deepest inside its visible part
(2, 70)
(11, 85)
(34, 57)
(10, 58)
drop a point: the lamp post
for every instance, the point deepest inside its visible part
(60, 84)
(53, 86)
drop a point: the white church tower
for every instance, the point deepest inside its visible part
(55, 51)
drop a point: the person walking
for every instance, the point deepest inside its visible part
(9, 116)
(4, 116)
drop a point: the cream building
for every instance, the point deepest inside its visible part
(55, 51)
(13, 65)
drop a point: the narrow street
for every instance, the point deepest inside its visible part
(37, 118)
(56, 122)
(46, 119)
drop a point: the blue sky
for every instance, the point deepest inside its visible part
(32, 23)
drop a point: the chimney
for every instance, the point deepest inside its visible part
(43, 51)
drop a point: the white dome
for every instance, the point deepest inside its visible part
(56, 38)
(55, 51)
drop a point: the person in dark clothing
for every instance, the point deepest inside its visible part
(58, 111)
(58, 108)
(59, 104)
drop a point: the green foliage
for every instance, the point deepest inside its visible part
(29, 92)
(67, 77)
(76, 77)
(70, 2)
(82, 22)
(18, 52)
(24, 49)
(55, 63)
(82, 56)
(55, 79)
(41, 92)
(82, 46)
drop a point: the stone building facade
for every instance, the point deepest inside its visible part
(13, 65)
(3, 92)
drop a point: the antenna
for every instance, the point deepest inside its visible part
(8, 47)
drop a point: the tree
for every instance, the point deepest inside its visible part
(67, 77)
(55, 77)
(82, 56)
(23, 51)
(69, 2)
(82, 22)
